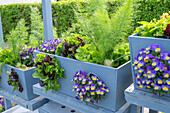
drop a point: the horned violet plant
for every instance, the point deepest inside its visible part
(49, 71)
(89, 87)
(152, 66)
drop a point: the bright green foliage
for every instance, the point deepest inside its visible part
(146, 10)
(121, 54)
(107, 32)
(49, 71)
(16, 39)
(154, 28)
(37, 29)
(88, 53)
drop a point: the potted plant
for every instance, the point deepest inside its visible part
(99, 52)
(146, 40)
(17, 64)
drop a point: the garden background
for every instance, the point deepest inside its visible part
(63, 13)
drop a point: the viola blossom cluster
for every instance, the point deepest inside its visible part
(50, 46)
(88, 87)
(27, 56)
(152, 67)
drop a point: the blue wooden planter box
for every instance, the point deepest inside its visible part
(136, 43)
(25, 78)
(116, 79)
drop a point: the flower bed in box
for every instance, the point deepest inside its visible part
(101, 50)
(150, 56)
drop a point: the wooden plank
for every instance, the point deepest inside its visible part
(71, 102)
(31, 104)
(8, 103)
(147, 99)
(47, 19)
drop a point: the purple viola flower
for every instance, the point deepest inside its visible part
(157, 87)
(151, 56)
(90, 82)
(166, 75)
(101, 92)
(98, 91)
(141, 51)
(77, 97)
(137, 75)
(99, 82)
(165, 87)
(75, 78)
(140, 64)
(157, 49)
(148, 86)
(84, 80)
(154, 46)
(81, 77)
(94, 77)
(139, 81)
(140, 58)
(102, 88)
(143, 80)
(106, 89)
(93, 86)
(141, 70)
(81, 93)
(159, 81)
(78, 89)
(154, 63)
(92, 92)
(88, 99)
(145, 75)
(87, 87)
(168, 81)
(148, 81)
(76, 85)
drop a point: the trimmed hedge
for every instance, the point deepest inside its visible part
(146, 10)
(63, 13)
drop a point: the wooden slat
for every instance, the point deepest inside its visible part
(31, 104)
(147, 99)
(73, 103)
(47, 19)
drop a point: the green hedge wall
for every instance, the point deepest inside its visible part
(146, 10)
(63, 14)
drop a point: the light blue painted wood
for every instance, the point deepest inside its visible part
(147, 99)
(135, 109)
(53, 107)
(26, 81)
(8, 103)
(28, 104)
(116, 79)
(1, 32)
(136, 43)
(47, 19)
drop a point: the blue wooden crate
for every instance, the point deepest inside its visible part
(25, 78)
(116, 79)
(136, 43)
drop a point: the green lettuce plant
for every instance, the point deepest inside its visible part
(49, 71)
(154, 28)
